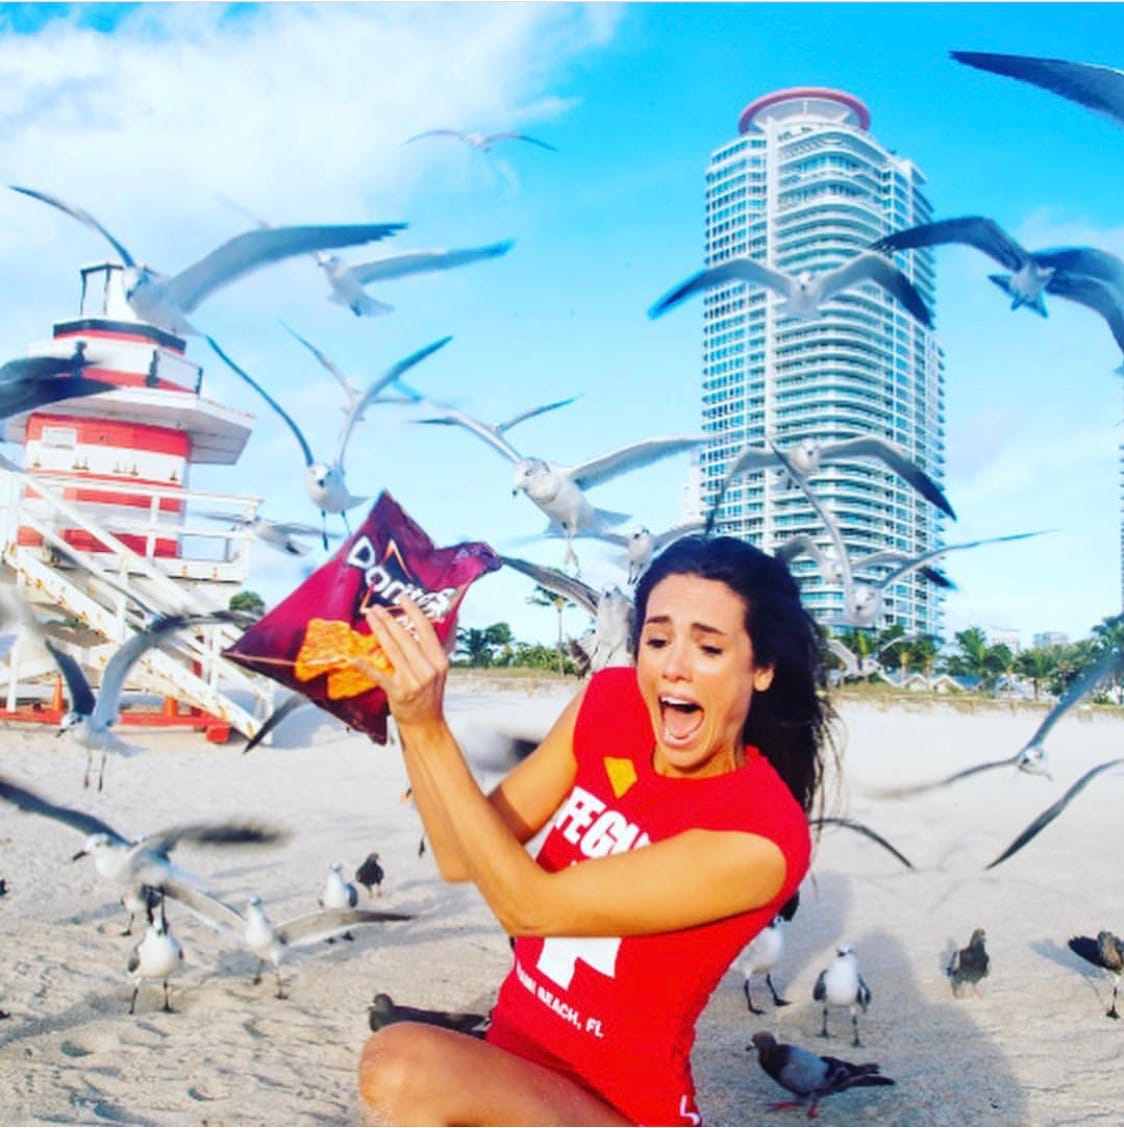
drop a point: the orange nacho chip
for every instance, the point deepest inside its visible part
(331, 647)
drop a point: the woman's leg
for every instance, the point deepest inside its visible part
(411, 1073)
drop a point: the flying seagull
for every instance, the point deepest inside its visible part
(1031, 758)
(384, 1011)
(1098, 87)
(611, 609)
(969, 965)
(1052, 812)
(862, 602)
(642, 544)
(291, 704)
(279, 535)
(132, 863)
(1106, 952)
(808, 1076)
(866, 832)
(841, 985)
(808, 456)
(804, 293)
(91, 718)
(325, 482)
(29, 382)
(271, 942)
(558, 490)
(482, 142)
(167, 302)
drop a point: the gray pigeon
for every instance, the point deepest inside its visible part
(808, 1076)
(1106, 952)
(969, 965)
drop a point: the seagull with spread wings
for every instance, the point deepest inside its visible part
(326, 482)
(28, 382)
(482, 142)
(168, 301)
(804, 293)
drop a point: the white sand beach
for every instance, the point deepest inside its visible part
(1034, 1048)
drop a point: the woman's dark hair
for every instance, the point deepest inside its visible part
(789, 722)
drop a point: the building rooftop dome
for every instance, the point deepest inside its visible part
(806, 101)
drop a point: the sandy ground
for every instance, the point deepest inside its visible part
(1034, 1048)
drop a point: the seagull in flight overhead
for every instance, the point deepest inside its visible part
(279, 535)
(808, 456)
(1100, 88)
(326, 482)
(270, 942)
(167, 302)
(29, 382)
(642, 544)
(559, 491)
(132, 863)
(804, 293)
(482, 142)
(612, 610)
(1031, 758)
(1052, 812)
(91, 718)
(862, 602)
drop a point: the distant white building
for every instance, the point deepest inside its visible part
(1046, 639)
(803, 187)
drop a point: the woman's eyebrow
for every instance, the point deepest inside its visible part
(665, 620)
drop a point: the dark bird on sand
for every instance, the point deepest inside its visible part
(1105, 952)
(384, 1011)
(370, 873)
(969, 965)
(808, 1076)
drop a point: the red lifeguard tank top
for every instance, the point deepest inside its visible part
(618, 1014)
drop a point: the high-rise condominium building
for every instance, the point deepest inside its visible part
(803, 187)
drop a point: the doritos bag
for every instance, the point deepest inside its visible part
(310, 641)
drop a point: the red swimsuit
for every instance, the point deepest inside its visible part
(618, 1014)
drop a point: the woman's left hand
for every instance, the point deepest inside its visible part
(415, 688)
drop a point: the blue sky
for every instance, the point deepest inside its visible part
(146, 114)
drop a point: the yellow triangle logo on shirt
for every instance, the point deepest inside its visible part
(621, 773)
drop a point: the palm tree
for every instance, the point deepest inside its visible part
(1038, 664)
(544, 597)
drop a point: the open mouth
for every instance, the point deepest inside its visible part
(681, 718)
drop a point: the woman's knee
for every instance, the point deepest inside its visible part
(392, 1071)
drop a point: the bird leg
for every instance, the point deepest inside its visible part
(777, 1106)
(855, 1027)
(133, 1000)
(167, 1003)
(89, 760)
(823, 1032)
(280, 986)
(101, 770)
(324, 529)
(777, 1000)
(749, 1001)
(1111, 1013)
(129, 927)
(257, 974)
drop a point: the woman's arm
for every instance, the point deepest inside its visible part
(691, 878)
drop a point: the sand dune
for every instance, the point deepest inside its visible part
(1035, 1048)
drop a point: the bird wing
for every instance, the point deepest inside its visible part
(975, 230)
(325, 363)
(608, 466)
(451, 417)
(306, 450)
(1085, 260)
(873, 446)
(379, 384)
(418, 262)
(1085, 682)
(1087, 948)
(733, 270)
(1052, 812)
(554, 580)
(749, 458)
(25, 395)
(530, 413)
(507, 136)
(850, 824)
(291, 704)
(1101, 297)
(917, 789)
(676, 532)
(916, 561)
(35, 368)
(126, 655)
(253, 249)
(435, 133)
(82, 698)
(206, 907)
(848, 659)
(321, 925)
(215, 834)
(1099, 88)
(871, 267)
(37, 805)
(81, 216)
(802, 545)
(819, 991)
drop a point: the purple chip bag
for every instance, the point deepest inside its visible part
(306, 641)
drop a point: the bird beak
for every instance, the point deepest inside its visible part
(515, 493)
(80, 854)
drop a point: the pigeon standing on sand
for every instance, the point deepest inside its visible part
(969, 965)
(841, 985)
(808, 1076)
(1106, 952)
(384, 1011)
(370, 873)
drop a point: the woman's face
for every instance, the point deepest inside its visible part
(696, 671)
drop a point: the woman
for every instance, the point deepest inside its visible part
(687, 841)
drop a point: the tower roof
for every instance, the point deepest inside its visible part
(801, 100)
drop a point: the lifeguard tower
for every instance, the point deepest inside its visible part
(98, 526)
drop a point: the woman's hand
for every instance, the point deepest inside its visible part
(415, 688)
